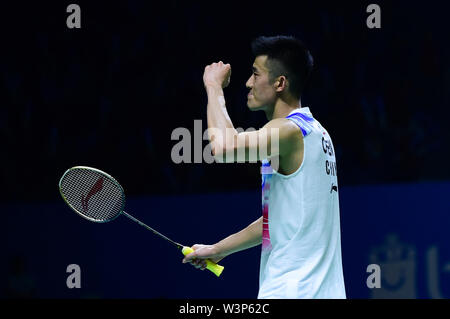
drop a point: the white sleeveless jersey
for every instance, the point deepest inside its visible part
(301, 247)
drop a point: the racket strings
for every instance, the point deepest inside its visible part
(92, 194)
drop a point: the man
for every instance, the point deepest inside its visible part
(300, 227)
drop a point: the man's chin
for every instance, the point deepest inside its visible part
(253, 107)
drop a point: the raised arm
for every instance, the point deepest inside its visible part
(227, 144)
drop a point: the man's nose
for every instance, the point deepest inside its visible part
(248, 84)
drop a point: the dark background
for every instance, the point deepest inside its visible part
(110, 94)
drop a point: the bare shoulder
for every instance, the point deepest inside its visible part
(286, 128)
(290, 143)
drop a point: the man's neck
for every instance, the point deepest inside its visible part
(282, 109)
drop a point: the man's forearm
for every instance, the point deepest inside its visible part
(248, 237)
(221, 129)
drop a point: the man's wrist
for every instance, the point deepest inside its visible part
(220, 249)
(213, 87)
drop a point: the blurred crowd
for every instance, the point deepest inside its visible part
(110, 94)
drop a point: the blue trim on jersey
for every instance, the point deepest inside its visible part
(266, 171)
(303, 121)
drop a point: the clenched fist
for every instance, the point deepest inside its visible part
(217, 74)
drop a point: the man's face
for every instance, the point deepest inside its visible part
(262, 93)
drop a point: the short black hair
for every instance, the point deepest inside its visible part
(288, 56)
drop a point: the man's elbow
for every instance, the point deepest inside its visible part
(222, 153)
(217, 151)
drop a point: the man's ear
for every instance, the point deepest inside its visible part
(281, 83)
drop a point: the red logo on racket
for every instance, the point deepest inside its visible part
(98, 186)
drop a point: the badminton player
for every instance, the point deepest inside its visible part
(299, 229)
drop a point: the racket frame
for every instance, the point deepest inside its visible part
(102, 173)
(178, 245)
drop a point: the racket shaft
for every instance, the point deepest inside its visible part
(152, 230)
(211, 266)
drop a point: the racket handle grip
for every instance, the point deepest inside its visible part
(216, 269)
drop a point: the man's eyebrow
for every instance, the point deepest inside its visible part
(255, 69)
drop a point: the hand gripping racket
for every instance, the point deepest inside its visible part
(98, 197)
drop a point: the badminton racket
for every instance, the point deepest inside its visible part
(98, 197)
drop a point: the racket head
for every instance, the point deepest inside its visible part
(92, 193)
